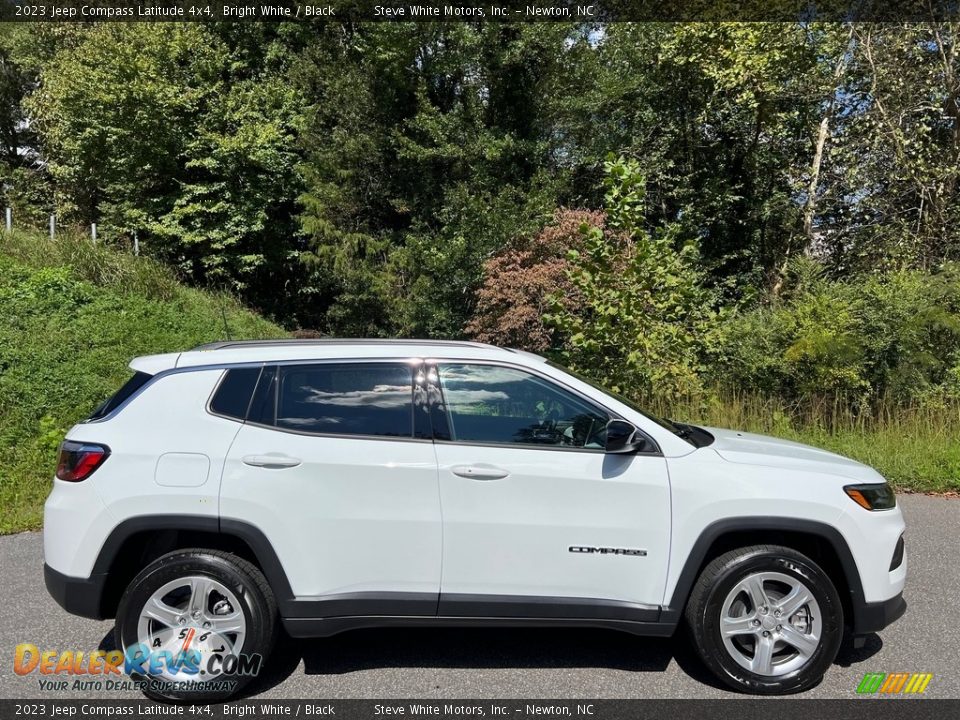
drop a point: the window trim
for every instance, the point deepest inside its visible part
(434, 363)
(412, 362)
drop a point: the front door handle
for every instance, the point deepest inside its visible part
(479, 472)
(274, 462)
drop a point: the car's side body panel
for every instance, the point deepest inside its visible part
(169, 416)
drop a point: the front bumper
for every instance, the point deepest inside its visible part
(871, 617)
(78, 596)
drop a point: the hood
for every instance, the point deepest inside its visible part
(752, 449)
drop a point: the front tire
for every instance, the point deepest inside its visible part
(766, 620)
(184, 617)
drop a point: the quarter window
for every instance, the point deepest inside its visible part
(233, 393)
(501, 405)
(344, 399)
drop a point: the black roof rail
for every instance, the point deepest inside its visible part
(224, 344)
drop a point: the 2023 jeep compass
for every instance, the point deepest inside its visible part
(329, 485)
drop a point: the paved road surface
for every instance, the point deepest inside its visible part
(543, 663)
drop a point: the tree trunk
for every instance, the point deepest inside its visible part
(823, 132)
(810, 207)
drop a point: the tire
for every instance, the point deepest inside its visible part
(797, 648)
(196, 590)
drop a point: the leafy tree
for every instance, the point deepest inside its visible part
(425, 155)
(524, 280)
(643, 321)
(176, 132)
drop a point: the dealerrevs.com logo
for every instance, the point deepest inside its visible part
(180, 666)
(894, 683)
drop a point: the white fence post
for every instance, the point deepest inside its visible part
(93, 232)
(53, 225)
(9, 219)
(136, 244)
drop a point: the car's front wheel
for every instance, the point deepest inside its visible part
(766, 619)
(196, 625)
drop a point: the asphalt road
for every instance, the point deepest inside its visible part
(543, 663)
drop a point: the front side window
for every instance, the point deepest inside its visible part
(491, 404)
(339, 399)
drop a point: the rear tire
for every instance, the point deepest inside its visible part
(766, 620)
(192, 605)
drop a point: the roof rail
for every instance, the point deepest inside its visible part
(224, 344)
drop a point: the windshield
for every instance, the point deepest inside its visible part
(680, 432)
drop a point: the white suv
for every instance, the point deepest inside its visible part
(337, 484)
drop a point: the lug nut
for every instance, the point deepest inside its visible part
(207, 626)
(181, 620)
(766, 633)
(779, 628)
(196, 614)
(776, 613)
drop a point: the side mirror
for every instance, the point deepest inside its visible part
(622, 438)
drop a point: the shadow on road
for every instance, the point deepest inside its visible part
(466, 648)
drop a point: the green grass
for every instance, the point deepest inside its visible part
(71, 318)
(914, 446)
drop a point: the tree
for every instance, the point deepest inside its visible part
(425, 156)
(522, 282)
(643, 322)
(176, 132)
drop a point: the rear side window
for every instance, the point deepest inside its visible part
(232, 396)
(344, 399)
(138, 380)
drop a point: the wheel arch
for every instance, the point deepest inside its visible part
(136, 542)
(823, 543)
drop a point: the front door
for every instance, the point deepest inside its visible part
(537, 519)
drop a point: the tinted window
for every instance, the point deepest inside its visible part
(491, 404)
(138, 380)
(347, 399)
(232, 396)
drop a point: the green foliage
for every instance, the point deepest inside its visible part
(174, 132)
(425, 155)
(643, 322)
(68, 335)
(894, 336)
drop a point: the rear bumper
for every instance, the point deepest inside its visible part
(78, 596)
(875, 616)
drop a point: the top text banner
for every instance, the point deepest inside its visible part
(583, 11)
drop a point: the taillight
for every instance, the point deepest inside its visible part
(78, 460)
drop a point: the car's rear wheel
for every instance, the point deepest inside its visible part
(766, 619)
(196, 625)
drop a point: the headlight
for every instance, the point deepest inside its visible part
(872, 497)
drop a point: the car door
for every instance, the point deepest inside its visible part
(332, 470)
(537, 519)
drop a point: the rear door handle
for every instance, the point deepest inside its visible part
(479, 472)
(276, 462)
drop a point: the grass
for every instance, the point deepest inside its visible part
(73, 316)
(915, 447)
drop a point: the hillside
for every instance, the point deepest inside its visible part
(73, 317)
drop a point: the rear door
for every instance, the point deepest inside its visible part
(334, 467)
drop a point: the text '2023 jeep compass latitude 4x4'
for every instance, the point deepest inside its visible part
(330, 485)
